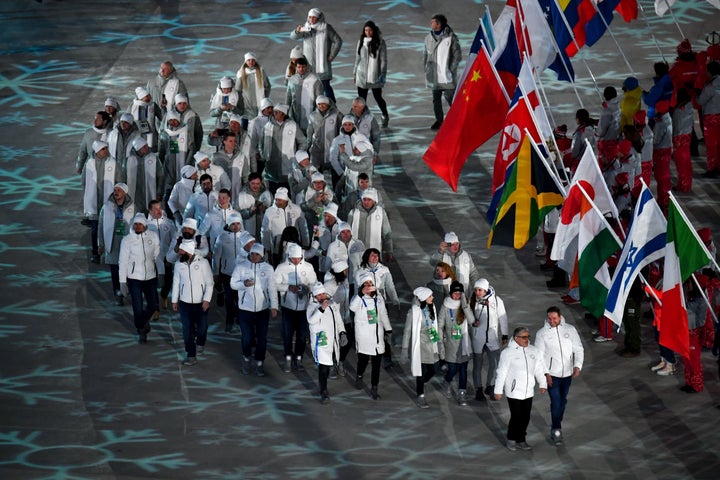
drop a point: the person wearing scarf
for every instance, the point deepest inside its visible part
(455, 343)
(420, 341)
(253, 85)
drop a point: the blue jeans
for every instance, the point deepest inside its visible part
(558, 399)
(460, 368)
(138, 289)
(195, 326)
(254, 327)
(294, 323)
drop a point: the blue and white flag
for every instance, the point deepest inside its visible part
(645, 243)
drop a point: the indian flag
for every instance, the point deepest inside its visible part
(596, 243)
(684, 254)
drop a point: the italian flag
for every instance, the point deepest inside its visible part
(596, 243)
(684, 254)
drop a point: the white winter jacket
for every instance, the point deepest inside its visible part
(561, 348)
(138, 254)
(518, 370)
(492, 323)
(227, 252)
(262, 294)
(325, 328)
(369, 337)
(192, 281)
(301, 275)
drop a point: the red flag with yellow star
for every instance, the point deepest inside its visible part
(477, 113)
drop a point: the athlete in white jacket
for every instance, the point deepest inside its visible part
(520, 366)
(139, 251)
(563, 352)
(191, 294)
(327, 335)
(254, 281)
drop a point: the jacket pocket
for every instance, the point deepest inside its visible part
(512, 387)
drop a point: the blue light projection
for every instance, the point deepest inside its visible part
(22, 192)
(214, 34)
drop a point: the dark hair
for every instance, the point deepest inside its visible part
(151, 203)
(225, 191)
(440, 18)
(366, 256)
(583, 116)
(661, 69)
(683, 97)
(630, 132)
(339, 276)
(713, 68)
(430, 307)
(554, 309)
(609, 93)
(301, 61)
(290, 234)
(363, 176)
(205, 176)
(228, 134)
(105, 116)
(374, 41)
(254, 176)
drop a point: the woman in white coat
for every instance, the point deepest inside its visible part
(420, 341)
(455, 344)
(338, 287)
(370, 69)
(520, 366)
(327, 335)
(371, 326)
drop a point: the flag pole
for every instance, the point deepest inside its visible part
(649, 29)
(614, 235)
(607, 27)
(556, 47)
(491, 37)
(577, 45)
(694, 232)
(547, 167)
(705, 250)
(535, 122)
(492, 66)
(672, 14)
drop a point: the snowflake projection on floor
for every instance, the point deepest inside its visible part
(37, 84)
(32, 308)
(144, 373)
(386, 449)
(7, 330)
(56, 279)
(239, 473)
(21, 192)
(390, 4)
(108, 412)
(21, 119)
(9, 153)
(25, 385)
(239, 435)
(44, 343)
(258, 402)
(201, 38)
(75, 129)
(82, 462)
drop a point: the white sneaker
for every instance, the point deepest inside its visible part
(659, 366)
(601, 339)
(668, 369)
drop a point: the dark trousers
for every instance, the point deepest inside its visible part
(461, 370)
(139, 289)
(323, 374)
(167, 280)
(428, 371)
(558, 399)
(195, 326)
(519, 418)
(377, 94)
(328, 90)
(294, 323)
(437, 102)
(374, 360)
(254, 327)
(115, 277)
(350, 332)
(94, 236)
(231, 301)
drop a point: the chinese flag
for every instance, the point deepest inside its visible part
(477, 113)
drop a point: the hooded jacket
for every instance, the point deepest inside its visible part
(325, 328)
(491, 322)
(138, 255)
(262, 294)
(518, 370)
